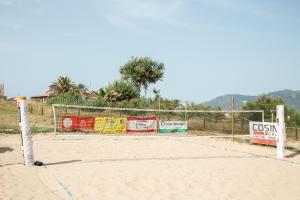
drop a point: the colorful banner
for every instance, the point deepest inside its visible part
(172, 126)
(110, 125)
(86, 123)
(71, 123)
(141, 125)
(263, 133)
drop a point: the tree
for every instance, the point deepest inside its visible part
(156, 93)
(117, 91)
(265, 103)
(293, 118)
(83, 91)
(82, 88)
(269, 104)
(62, 85)
(142, 72)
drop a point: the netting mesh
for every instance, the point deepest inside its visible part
(213, 122)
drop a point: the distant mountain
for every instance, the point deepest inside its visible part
(290, 97)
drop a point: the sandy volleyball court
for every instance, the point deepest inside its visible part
(139, 167)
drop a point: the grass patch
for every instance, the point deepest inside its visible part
(40, 117)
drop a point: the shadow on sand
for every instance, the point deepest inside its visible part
(63, 162)
(5, 149)
(293, 154)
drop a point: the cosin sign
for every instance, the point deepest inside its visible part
(263, 133)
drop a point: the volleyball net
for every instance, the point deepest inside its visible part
(111, 120)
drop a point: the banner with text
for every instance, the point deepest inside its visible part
(109, 125)
(172, 126)
(83, 123)
(263, 132)
(69, 123)
(141, 125)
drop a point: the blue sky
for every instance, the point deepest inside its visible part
(209, 47)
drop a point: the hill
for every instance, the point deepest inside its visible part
(290, 97)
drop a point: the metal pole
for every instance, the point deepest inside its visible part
(185, 114)
(54, 119)
(159, 106)
(232, 120)
(272, 116)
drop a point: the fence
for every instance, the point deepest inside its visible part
(40, 117)
(292, 133)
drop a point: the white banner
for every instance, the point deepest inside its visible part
(138, 124)
(263, 132)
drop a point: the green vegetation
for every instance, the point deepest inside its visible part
(142, 72)
(40, 117)
(269, 104)
(70, 98)
(62, 85)
(291, 99)
(118, 91)
(137, 74)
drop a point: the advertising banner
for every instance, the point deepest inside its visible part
(172, 126)
(141, 125)
(86, 123)
(71, 123)
(109, 125)
(263, 133)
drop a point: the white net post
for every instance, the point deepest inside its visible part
(25, 131)
(281, 132)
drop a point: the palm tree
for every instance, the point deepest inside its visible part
(117, 91)
(108, 95)
(62, 85)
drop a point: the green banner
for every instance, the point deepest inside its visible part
(173, 130)
(172, 126)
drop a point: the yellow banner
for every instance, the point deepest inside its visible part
(110, 124)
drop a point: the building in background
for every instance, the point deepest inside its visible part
(2, 91)
(41, 98)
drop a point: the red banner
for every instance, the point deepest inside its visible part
(86, 123)
(263, 141)
(71, 123)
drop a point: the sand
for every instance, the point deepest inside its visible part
(143, 167)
